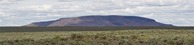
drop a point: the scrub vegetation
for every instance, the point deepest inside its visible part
(116, 37)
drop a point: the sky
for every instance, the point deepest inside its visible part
(22, 12)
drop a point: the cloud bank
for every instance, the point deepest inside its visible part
(21, 12)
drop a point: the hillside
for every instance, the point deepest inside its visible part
(112, 20)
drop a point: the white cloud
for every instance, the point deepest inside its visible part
(36, 8)
(177, 12)
(180, 20)
(47, 16)
(3, 14)
(0, 20)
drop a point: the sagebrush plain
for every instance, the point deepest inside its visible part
(115, 37)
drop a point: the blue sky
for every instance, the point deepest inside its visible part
(21, 12)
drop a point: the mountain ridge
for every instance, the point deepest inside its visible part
(97, 20)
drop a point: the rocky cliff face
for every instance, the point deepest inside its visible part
(101, 21)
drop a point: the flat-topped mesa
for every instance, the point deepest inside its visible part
(112, 20)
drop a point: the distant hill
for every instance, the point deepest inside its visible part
(112, 20)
